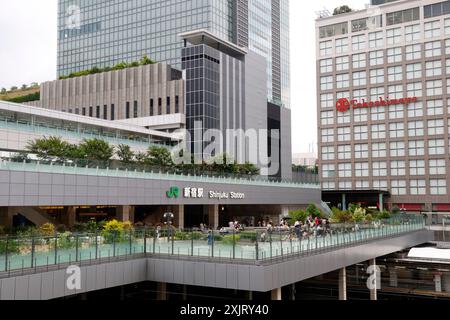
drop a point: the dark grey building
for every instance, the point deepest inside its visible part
(102, 33)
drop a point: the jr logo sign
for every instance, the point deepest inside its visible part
(174, 192)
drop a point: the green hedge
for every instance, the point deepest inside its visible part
(27, 98)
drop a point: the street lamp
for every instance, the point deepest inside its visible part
(168, 216)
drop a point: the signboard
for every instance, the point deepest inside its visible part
(199, 193)
(344, 104)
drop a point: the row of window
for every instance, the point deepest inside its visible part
(379, 39)
(394, 149)
(414, 110)
(437, 187)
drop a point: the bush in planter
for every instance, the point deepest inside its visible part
(116, 231)
(248, 235)
(230, 240)
(66, 241)
(13, 246)
(47, 230)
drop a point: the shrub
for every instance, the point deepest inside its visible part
(340, 216)
(228, 239)
(47, 230)
(13, 246)
(298, 215)
(247, 235)
(313, 211)
(384, 215)
(66, 241)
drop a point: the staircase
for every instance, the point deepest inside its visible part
(33, 214)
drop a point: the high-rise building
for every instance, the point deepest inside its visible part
(101, 33)
(383, 105)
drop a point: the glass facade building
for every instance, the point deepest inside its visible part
(100, 33)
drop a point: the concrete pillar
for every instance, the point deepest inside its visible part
(6, 217)
(178, 211)
(71, 217)
(213, 216)
(438, 282)
(393, 278)
(373, 290)
(125, 213)
(185, 293)
(275, 294)
(344, 202)
(293, 292)
(381, 201)
(161, 294)
(249, 296)
(343, 284)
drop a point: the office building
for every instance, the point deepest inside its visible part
(100, 33)
(383, 106)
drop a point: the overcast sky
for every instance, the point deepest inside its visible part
(28, 54)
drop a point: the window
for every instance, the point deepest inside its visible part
(135, 109)
(328, 171)
(396, 130)
(394, 55)
(328, 185)
(377, 76)
(397, 149)
(342, 63)
(378, 114)
(361, 133)
(359, 61)
(342, 81)
(113, 112)
(177, 104)
(379, 169)
(362, 184)
(326, 48)
(402, 16)
(326, 65)
(413, 52)
(345, 185)
(333, 30)
(326, 83)
(435, 108)
(327, 153)
(343, 118)
(415, 129)
(376, 93)
(168, 105)
(413, 71)
(418, 187)
(97, 112)
(359, 78)
(398, 187)
(435, 127)
(152, 111)
(359, 42)
(417, 167)
(379, 131)
(432, 49)
(326, 100)
(360, 115)
(447, 46)
(398, 168)
(412, 33)
(341, 45)
(376, 39)
(376, 58)
(127, 110)
(327, 135)
(105, 112)
(438, 187)
(395, 73)
(395, 92)
(415, 110)
(361, 151)
(345, 152)
(414, 89)
(379, 150)
(362, 169)
(360, 94)
(432, 29)
(91, 112)
(344, 134)
(416, 148)
(394, 36)
(396, 112)
(327, 118)
(433, 68)
(345, 170)
(437, 167)
(434, 88)
(447, 66)
(380, 185)
(447, 26)
(436, 147)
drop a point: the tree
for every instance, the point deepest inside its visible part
(299, 215)
(14, 88)
(342, 9)
(34, 85)
(141, 157)
(124, 153)
(313, 211)
(159, 156)
(96, 149)
(248, 169)
(3, 91)
(49, 147)
(24, 86)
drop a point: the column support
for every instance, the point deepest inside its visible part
(275, 294)
(343, 284)
(373, 290)
(125, 213)
(438, 282)
(178, 211)
(344, 202)
(393, 278)
(213, 216)
(381, 202)
(161, 294)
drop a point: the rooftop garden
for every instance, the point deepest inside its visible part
(26, 93)
(341, 10)
(120, 66)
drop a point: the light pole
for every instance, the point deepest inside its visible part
(168, 216)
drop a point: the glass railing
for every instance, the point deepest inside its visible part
(21, 253)
(132, 170)
(71, 133)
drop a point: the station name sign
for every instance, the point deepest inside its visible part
(344, 104)
(200, 193)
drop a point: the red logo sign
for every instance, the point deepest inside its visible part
(344, 104)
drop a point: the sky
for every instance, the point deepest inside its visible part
(28, 31)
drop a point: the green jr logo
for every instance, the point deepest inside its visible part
(174, 192)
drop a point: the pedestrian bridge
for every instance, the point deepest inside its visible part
(35, 267)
